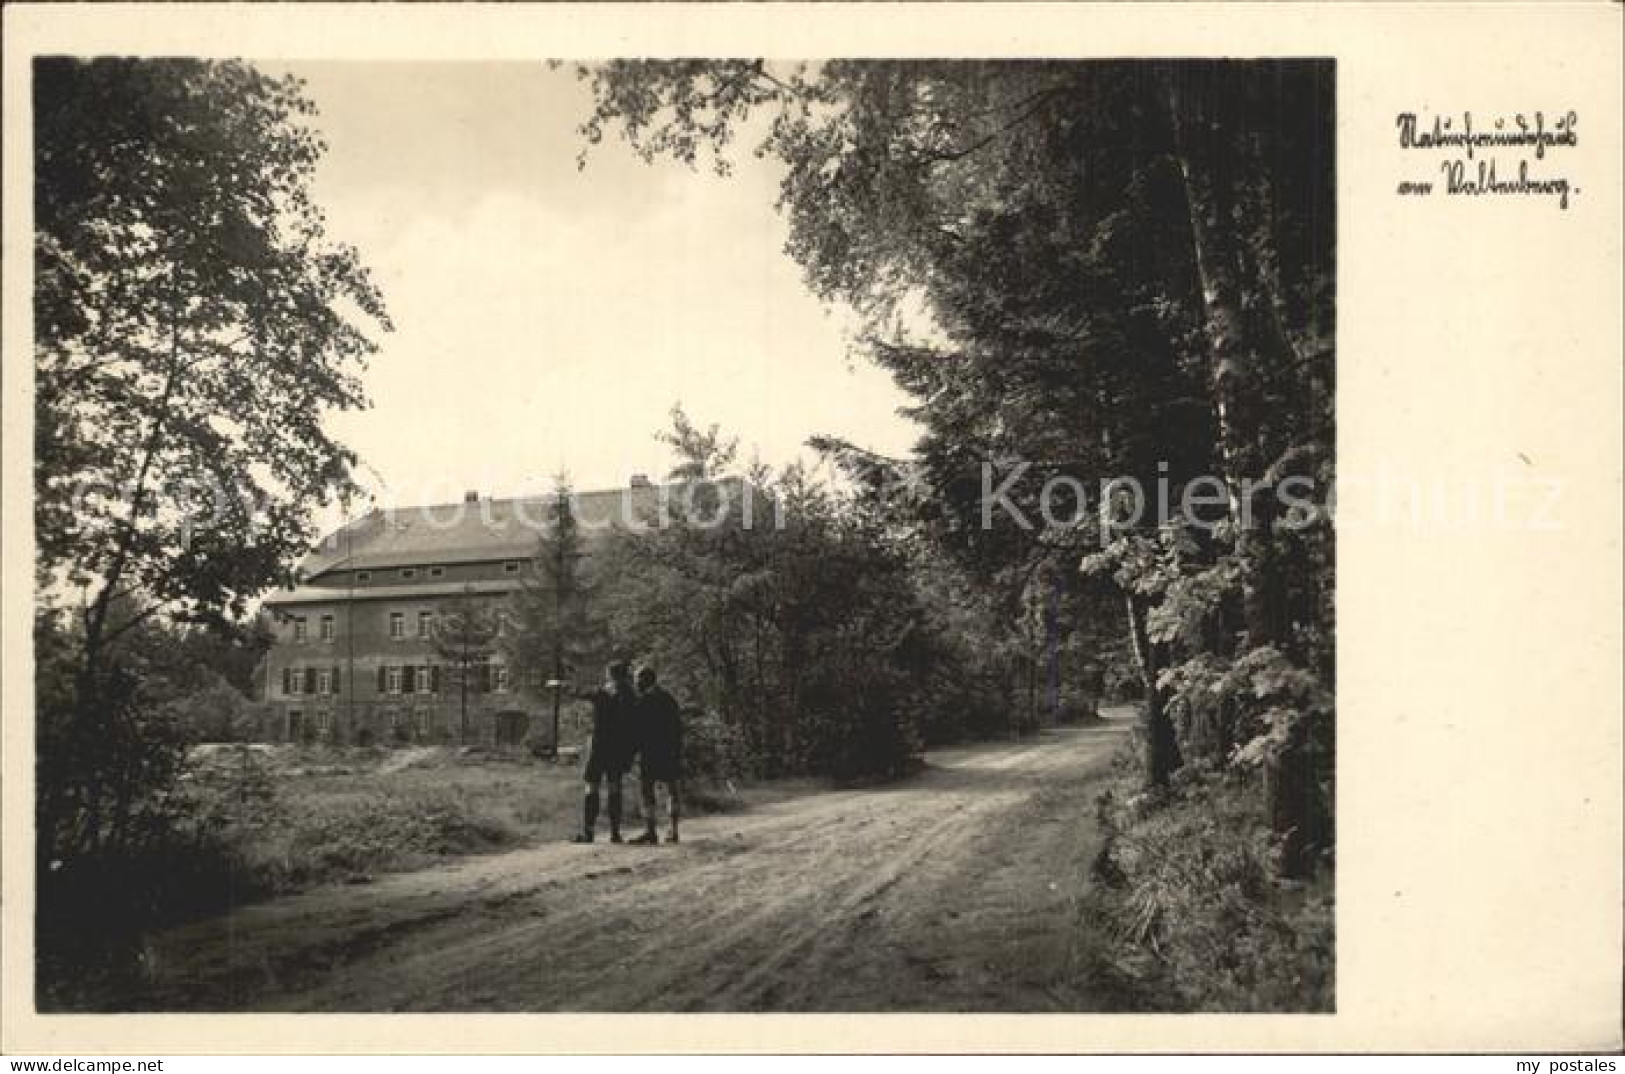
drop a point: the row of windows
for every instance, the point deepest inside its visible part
(421, 720)
(484, 677)
(407, 574)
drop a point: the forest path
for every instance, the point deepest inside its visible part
(953, 890)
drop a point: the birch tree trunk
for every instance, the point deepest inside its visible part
(1238, 352)
(1162, 745)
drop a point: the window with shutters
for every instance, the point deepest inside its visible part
(392, 680)
(397, 625)
(425, 624)
(327, 628)
(295, 682)
(499, 678)
(324, 721)
(324, 681)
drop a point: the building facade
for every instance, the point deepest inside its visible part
(360, 652)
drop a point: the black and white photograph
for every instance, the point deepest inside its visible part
(701, 535)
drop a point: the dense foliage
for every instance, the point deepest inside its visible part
(786, 610)
(193, 325)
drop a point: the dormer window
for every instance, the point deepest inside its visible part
(408, 573)
(437, 572)
(511, 567)
(363, 576)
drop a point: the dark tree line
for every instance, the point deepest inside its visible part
(786, 613)
(193, 326)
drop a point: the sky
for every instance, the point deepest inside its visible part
(547, 317)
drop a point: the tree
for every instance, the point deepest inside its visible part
(555, 630)
(194, 325)
(466, 636)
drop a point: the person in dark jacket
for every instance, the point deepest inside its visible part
(660, 750)
(610, 754)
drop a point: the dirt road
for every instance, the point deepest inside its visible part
(955, 890)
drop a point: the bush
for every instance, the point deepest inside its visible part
(95, 905)
(575, 728)
(216, 711)
(1188, 911)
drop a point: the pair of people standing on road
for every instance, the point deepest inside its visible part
(630, 722)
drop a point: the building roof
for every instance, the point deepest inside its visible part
(481, 529)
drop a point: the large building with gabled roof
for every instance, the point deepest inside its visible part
(354, 657)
